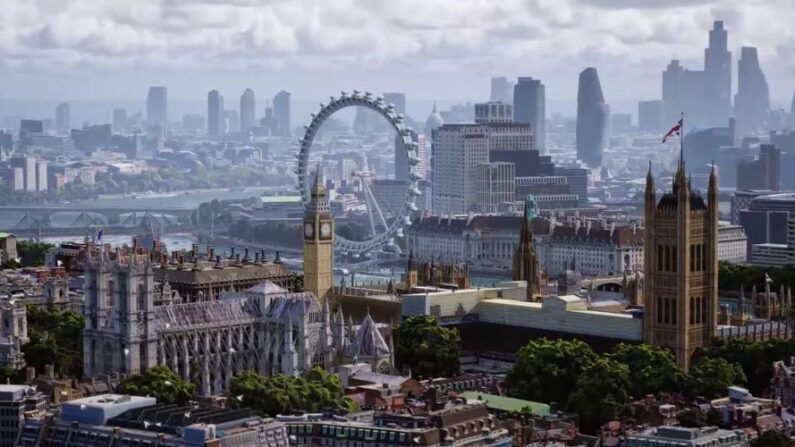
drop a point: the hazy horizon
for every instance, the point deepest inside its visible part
(55, 50)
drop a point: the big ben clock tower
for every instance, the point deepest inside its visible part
(318, 232)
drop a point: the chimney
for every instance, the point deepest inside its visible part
(231, 252)
(262, 256)
(30, 375)
(49, 371)
(245, 256)
(210, 252)
(256, 257)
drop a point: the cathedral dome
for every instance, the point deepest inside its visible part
(434, 120)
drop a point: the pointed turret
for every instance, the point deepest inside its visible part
(319, 185)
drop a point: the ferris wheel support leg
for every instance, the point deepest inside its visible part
(381, 219)
(369, 208)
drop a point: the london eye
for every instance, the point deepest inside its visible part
(381, 236)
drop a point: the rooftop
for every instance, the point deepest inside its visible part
(506, 404)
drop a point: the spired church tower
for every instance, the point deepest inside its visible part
(318, 241)
(681, 266)
(525, 261)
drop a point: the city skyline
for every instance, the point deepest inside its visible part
(81, 50)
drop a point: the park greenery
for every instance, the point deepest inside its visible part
(600, 388)
(427, 349)
(315, 391)
(733, 276)
(56, 338)
(161, 383)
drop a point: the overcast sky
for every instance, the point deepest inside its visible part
(430, 49)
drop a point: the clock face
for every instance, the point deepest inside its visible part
(309, 229)
(325, 230)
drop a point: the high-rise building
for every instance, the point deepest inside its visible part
(28, 166)
(119, 121)
(703, 96)
(15, 402)
(493, 112)
(62, 122)
(248, 110)
(157, 106)
(281, 114)
(763, 173)
(529, 106)
(398, 100)
(681, 266)
(650, 116)
(501, 90)
(592, 119)
(41, 175)
(752, 102)
(718, 71)
(496, 186)
(318, 240)
(215, 110)
(458, 149)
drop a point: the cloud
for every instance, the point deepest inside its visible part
(626, 37)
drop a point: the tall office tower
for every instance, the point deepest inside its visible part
(458, 149)
(592, 116)
(718, 71)
(119, 121)
(493, 112)
(763, 173)
(752, 102)
(62, 122)
(28, 166)
(318, 241)
(157, 106)
(496, 186)
(281, 114)
(215, 111)
(703, 96)
(681, 267)
(501, 90)
(529, 106)
(41, 175)
(650, 115)
(248, 110)
(398, 100)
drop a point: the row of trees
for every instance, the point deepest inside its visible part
(734, 276)
(317, 390)
(601, 387)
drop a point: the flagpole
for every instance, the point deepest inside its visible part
(682, 139)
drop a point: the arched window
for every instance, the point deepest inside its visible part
(692, 258)
(659, 310)
(667, 258)
(704, 310)
(142, 297)
(703, 257)
(673, 259)
(109, 296)
(107, 358)
(659, 258)
(673, 310)
(692, 310)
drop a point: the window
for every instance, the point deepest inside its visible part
(107, 353)
(110, 294)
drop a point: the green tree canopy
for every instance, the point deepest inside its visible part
(601, 394)
(709, 377)
(773, 438)
(691, 418)
(428, 349)
(269, 396)
(56, 338)
(546, 370)
(653, 369)
(161, 383)
(755, 357)
(31, 254)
